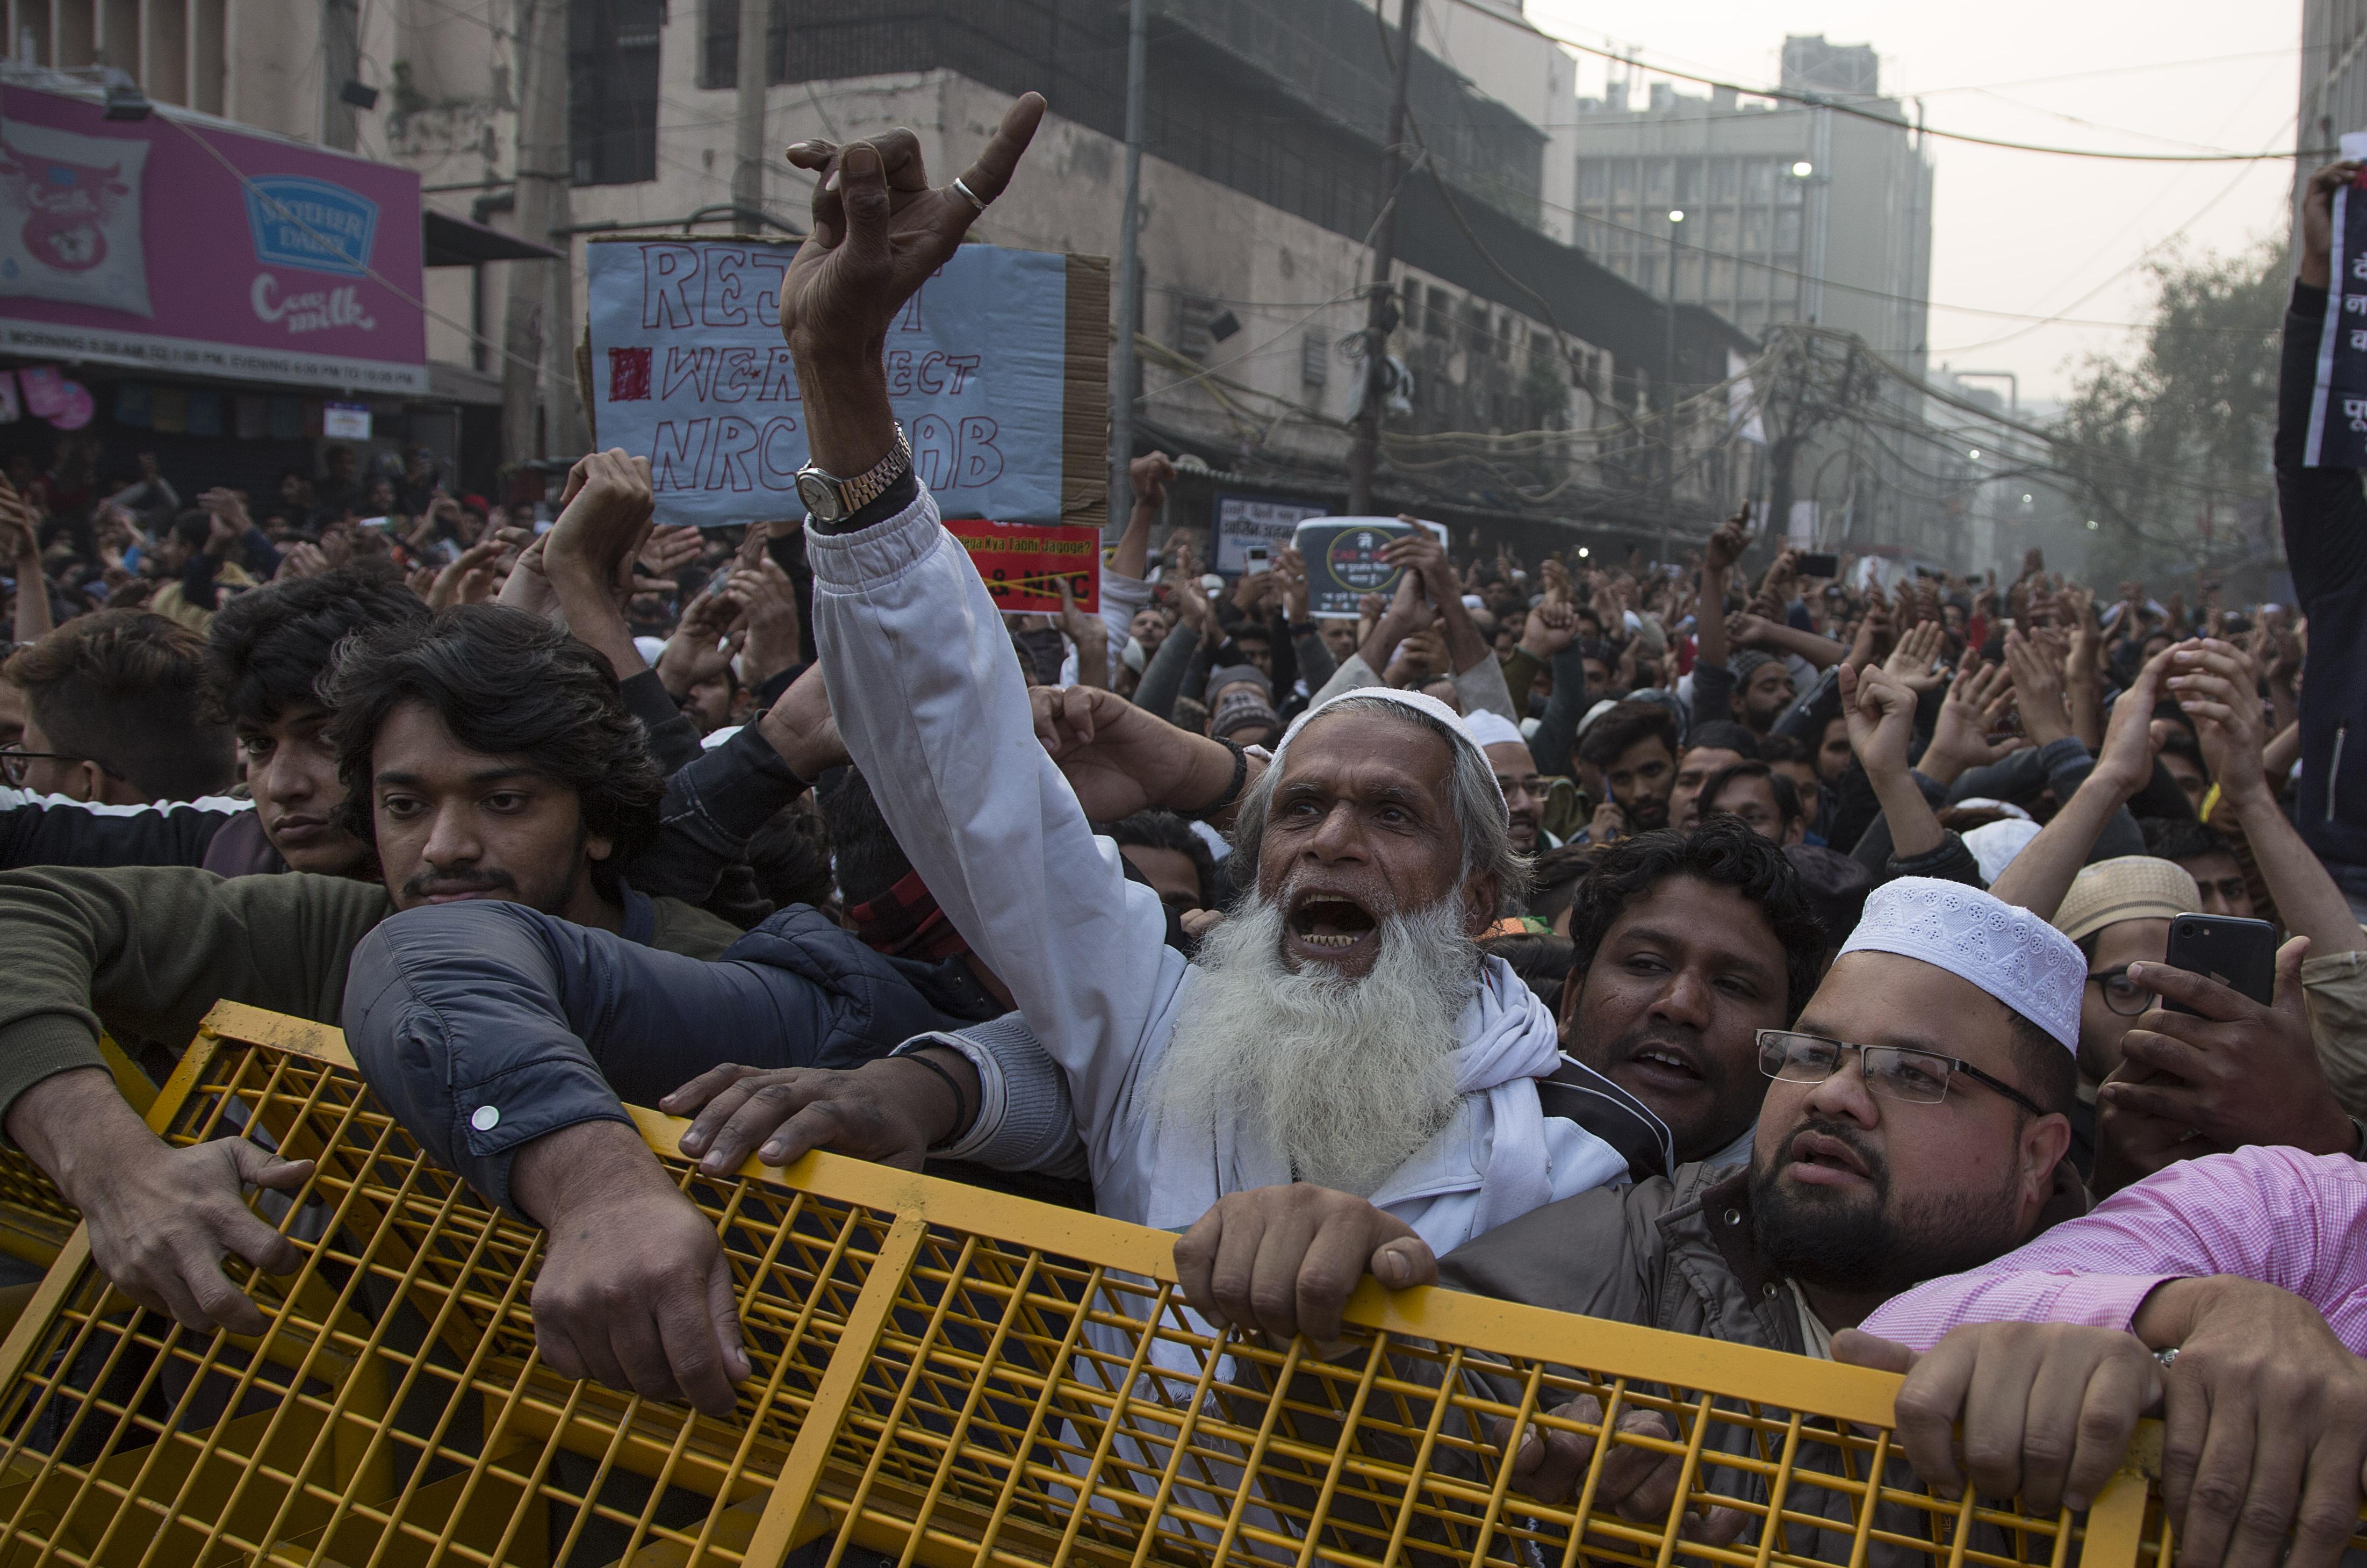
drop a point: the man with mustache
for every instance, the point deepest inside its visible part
(482, 754)
(1687, 946)
(1339, 1027)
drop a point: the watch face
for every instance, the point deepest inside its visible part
(820, 496)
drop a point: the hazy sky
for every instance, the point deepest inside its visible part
(2023, 232)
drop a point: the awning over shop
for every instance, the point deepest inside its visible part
(447, 241)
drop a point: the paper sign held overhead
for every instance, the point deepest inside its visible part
(687, 365)
(1343, 559)
(1023, 566)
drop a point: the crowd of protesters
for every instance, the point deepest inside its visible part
(1718, 948)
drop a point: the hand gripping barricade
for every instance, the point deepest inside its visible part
(924, 1390)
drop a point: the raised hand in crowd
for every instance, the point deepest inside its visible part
(2042, 873)
(774, 622)
(527, 586)
(588, 555)
(671, 547)
(1915, 662)
(1879, 707)
(704, 643)
(1975, 708)
(469, 579)
(1550, 628)
(2037, 689)
(880, 228)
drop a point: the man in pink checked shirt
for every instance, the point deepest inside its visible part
(2229, 1291)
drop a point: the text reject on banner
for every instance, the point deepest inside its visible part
(687, 365)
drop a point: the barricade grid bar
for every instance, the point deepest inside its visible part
(941, 1375)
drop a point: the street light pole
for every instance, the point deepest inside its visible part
(1668, 395)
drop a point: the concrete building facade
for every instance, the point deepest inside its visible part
(1260, 182)
(1793, 211)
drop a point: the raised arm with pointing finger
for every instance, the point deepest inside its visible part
(926, 695)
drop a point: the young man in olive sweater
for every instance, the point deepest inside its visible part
(484, 755)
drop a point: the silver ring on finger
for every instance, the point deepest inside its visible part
(961, 186)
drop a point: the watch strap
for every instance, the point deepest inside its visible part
(901, 491)
(856, 494)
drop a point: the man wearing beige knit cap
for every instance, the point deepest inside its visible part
(2119, 912)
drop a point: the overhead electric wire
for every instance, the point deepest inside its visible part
(1840, 105)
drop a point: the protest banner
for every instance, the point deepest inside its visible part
(1023, 566)
(1245, 520)
(1343, 560)
(998, 369)
(2337, 409)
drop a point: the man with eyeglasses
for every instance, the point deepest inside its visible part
(1914, 1127)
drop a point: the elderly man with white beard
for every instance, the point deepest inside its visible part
(1345, 1031)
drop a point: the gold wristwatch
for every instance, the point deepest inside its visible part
(830, 498)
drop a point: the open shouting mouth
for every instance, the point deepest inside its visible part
(1328, 926)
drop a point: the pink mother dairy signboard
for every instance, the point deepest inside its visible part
(174, 244)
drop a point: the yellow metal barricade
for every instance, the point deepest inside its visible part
(941, 1374)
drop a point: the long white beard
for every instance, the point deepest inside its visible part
(1345, 1077)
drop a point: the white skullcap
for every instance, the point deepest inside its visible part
(649, 648)
(2006, 950)
(1597, 711)
(1986, 803)
(1492, 730)
(1995, 844)
(1420, 702)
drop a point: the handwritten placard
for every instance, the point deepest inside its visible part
(687, 364)
(1024, 565)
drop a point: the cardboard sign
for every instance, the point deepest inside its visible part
(1343, 560)
(686, 363)
(2338, 410)
(1023, 566)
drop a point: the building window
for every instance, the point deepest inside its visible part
(1193, 314)
(719, 54)
(612, 97)
(1314, 358)
(1438, 320)
(1412, 305)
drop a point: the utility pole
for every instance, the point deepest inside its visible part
(1381, 312)
(531, 322)
(1669, 394)
(1129, 275)
(748, 174)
